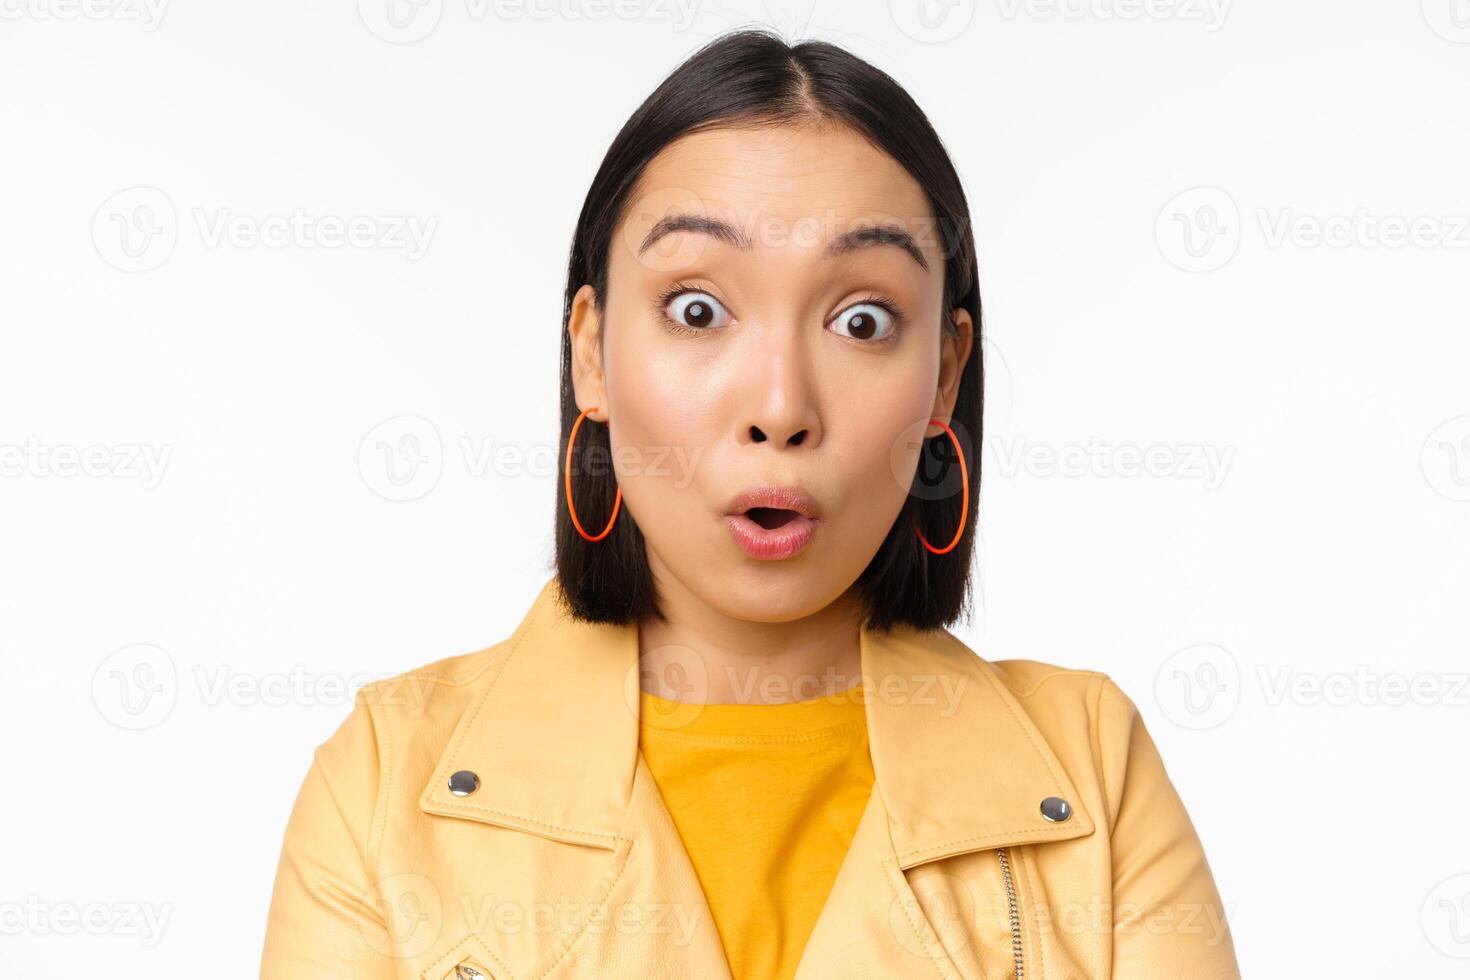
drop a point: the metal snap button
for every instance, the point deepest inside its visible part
(463, 783)
(1055, 809)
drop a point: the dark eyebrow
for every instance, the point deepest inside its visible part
(866, 237)
(876, 235)
(724, 231)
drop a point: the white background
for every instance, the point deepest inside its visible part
(1283, 590)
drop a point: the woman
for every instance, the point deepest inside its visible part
(732, 736)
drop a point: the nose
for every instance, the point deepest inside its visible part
(781, 409)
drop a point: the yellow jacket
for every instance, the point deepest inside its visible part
(553, 856)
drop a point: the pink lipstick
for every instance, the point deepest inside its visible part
(772, 522)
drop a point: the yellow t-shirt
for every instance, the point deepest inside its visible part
(766, 798)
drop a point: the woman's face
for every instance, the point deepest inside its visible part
(766, 324)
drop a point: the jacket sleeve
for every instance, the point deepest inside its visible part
(1168, 920)
(325, 920)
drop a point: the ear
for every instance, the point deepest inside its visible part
(954, 354)
(584, 327)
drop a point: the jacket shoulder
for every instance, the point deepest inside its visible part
(1092, 724)
(1053, 689)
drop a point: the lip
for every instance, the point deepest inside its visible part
(773, 544)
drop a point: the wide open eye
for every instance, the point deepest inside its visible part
(696, 310)
(865, 321)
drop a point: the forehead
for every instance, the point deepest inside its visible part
(786, 184)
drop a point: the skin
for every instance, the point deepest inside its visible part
(779, 351)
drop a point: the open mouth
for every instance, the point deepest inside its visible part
(772, 522)
(771, 518)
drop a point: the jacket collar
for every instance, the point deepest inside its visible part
(553, 738)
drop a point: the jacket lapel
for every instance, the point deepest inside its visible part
(958, 768)
(554, 740)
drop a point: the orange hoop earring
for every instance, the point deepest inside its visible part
(964, 500)
(617, 501)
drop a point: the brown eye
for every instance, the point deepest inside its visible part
(864, 321)
(697, 310)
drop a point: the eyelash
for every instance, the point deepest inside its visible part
(886, 303)
(661, 304)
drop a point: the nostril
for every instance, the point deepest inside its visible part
(756, 435)
(796, 440)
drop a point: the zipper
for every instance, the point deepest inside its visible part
(1005, 873)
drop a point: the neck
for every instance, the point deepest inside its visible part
(699, 654)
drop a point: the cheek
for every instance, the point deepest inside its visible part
(879, 447)
(661, 412)
(881, 451)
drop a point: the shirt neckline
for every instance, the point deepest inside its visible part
(825, 712)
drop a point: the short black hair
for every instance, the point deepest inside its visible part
(755, 77)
